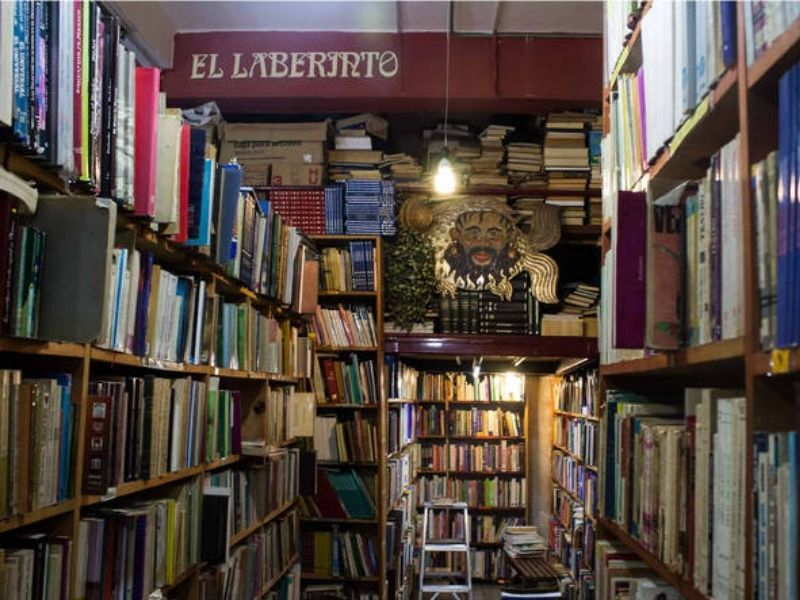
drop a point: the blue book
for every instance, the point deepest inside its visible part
(783, 187)
(140, 333)
(122, 266)
(689, 64)
(794, 209)
(201, 234)
(230, 182)
(21, 67)
(65, 435)
(182, 292)
(729, 33)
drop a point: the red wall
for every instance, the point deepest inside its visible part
(488, 74)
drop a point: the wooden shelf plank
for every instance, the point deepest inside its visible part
(346, 294)
(271, 583)
(221, 463)
(41, 348)
(726, 353)
(686, 589)
(325, 521)
(575, 415)
(455, 473)
(567, 491)
(763, 364)
(781, 54)
(40, 514)
(336, 406)
(242, 535)
(454, 344)
(336, 349)
(134, 487)
(342, 238)
(339, 578)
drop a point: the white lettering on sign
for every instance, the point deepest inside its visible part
(370, 64)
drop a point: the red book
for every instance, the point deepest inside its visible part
(327, 500)
(183, 212)
(330, 380)
(146, 140)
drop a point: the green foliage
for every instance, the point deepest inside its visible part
(410, 281)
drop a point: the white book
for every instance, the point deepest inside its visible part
(659, 73)
(701, 49)
(167, 198)
(732, 260)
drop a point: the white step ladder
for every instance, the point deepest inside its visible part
(459, 583)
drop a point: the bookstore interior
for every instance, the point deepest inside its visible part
(388, 300)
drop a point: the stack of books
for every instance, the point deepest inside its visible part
(355, 156)
(573, 211)
(524, 541)
(340, 494)
(369, 207)
(402, 167)
(338, 553)
(581, 298)
(486, 167)
(525, 165)
(342, 327)
(344, 165)
(299, 207)
(566, 156)
(562, 324)
(596, 177)
(348, 382)
(345, 441)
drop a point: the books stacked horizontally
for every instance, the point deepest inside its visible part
(350, 269)
(344, 165)
(524, 541)
(486, 167)
(572, 209)
(562, 324)
(369, 207)
(402, 167)
(525, 165)
(525, 206)
(566, 156)
(581, 298)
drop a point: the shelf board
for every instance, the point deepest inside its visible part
(489, 509)
(335, 349)
(39, 514)
(724, 356)
(487, 438)
(327, 237)
(124, 359)
(339, 578)
(454, 344)
(348, 294)
(630, 57)
(338, 406)
(41, 348)
(713, 123)
(326, 521)
(685, 588)
(452, 473)
(572, 415)
(183, 577)
(782, 53)
(134, 487)
(354, 464)
(566, 491)
(465, 404)
(278, 378)
(568, 453)
(237, 374)
(764, 364)
(221, 463)
(271, 583)
(500, 190)
(242, 535)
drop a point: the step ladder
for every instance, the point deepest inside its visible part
(453, 583)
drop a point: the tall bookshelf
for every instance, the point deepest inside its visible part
(374, 413)
(574, 461)
(87, 363)
(742, 101)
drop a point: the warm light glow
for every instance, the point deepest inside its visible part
(514, 386)
(444, 182)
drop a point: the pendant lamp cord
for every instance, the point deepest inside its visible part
(447, 69)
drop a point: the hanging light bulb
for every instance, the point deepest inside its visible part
(444, 182)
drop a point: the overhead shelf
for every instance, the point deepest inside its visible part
(528, 346)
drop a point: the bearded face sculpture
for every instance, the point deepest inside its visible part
(479, 244)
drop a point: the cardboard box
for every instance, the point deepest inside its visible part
(311, 153)
(275, 132)
(287, 173)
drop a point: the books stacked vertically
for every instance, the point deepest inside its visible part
(483, 423)
(256, 562)
(525, 165)
(401, 426)
(486, 167)
(764, 23)
(370, 207)
(595, 137)
(37, 565)
(401, 472)
(223, 434)
(456, 386)
(303, 208)
(350, 381)
(627, 111)
(524, 541)
(484, 312)
(167, 530)
(277, 154)
(503, 456)
(345, 440)
(259, 489)
(334, 209)
(348, 269)
(141, 428)
(430, 421)
(705, 537)
(617, 567)
(351, 326)
(289, 411)
(488, 491)
(775, 521)
(341, 494)
(581, 298)
(401, 379)
(38, 428)
(339, 554)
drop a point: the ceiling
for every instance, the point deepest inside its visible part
(152, 25)
(551, 18)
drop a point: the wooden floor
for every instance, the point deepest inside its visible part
(486, 592)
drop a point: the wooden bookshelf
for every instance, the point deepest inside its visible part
(454, 344)
(242, 535)
(37, 515)
(501, 190)
(744, 101)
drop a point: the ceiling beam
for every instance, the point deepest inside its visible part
(475, 17)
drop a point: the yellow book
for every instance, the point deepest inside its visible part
(171, 549)
(84, 167)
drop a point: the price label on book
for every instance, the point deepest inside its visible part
(780, 361)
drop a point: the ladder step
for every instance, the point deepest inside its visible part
(447, 589)
(451, 547)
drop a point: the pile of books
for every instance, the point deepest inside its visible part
(347, 382)
(340, 494)
(402, 167)
(486, 167)
(581, 298)
(524, 541)
(566, 156)
(334, 209)
(572, 209)
(345, 441)
(338, 553)
(369, 207)
(525, 164)
(344, 165)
